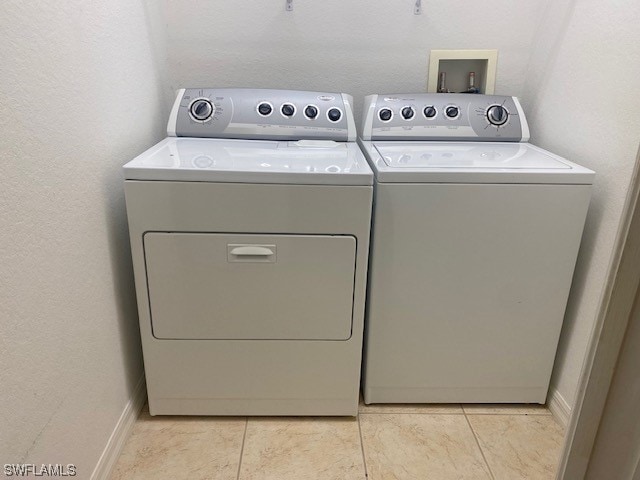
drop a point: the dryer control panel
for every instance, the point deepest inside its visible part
(445, 117)
(262, 114)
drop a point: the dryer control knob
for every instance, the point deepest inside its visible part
(497, 115)
(408, 112)
(265, 109)
(385, 114)
(452, 111)
(311, 112)
(201, 109)
(430, 111)
(334, 114)
(288, 109)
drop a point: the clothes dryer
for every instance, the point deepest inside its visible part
(249, 232)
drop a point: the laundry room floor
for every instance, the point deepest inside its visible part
(385, 442)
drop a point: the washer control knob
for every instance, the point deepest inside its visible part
(201, 109)
(311, 112)
(430, 111)
(287, 109)
(385, 114)
(497, 115)
(265, 109)
(334, 114)
(408, 113)
(452, 111)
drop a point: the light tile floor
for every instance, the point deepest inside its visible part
(385, 442)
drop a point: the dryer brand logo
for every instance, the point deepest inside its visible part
(326, 98)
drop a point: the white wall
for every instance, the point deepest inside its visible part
(79, 96)
(582, 103)
(357, 46)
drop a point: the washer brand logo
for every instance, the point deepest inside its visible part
(326, 98)
(391, 99)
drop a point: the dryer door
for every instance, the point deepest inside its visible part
(250, 287)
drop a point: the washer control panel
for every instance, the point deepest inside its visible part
(262, 114)
(445, 117)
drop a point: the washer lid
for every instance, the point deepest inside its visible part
(306, 162)
(471, 162)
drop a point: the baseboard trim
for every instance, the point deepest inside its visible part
(559, 407)
(120, 433)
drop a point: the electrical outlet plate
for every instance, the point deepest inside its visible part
(458, 64)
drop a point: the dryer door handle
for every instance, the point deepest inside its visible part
(251, 250)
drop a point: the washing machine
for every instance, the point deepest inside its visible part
(474, 242)
(249, 229)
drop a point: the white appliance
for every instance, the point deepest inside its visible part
(250, 254)
(474, 242)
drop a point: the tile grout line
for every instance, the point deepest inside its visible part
(486, 462)
(244, 436)
(510, 414)
(413, 413)
(539, 412)
(364, 458)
